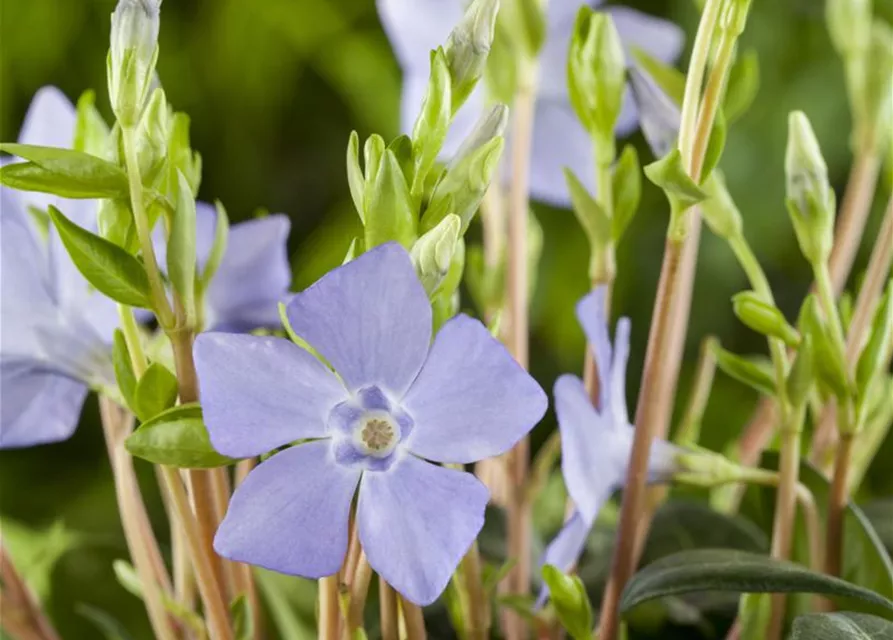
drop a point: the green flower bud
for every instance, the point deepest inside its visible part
(431, 126)
(810, 199)
(468, 46)
(432, 254)
(152, 139)
(469, 173)
(764, 317)
(802, 374)
(827, 359)
(596, 72)
(849, 24)
(719, 210)
(132, 56)
(879, 81)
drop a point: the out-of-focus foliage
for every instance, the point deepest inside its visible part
(274, 89)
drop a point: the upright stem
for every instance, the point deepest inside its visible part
(413, 620)
(869, 295)
(20, 613)
(387, 600)
(478, 613)
(689, 432)
(141, 542)
(359, 589)
(208, 586)
(518, 283)
(655, 397)
(837, 506)
(328, 608)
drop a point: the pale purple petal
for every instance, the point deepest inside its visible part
(592, 459)
(657, 37)
(415, 27)
(39, 405)
(553, 57)
(50, 120)
(416, 521)
(471, 400)
(616, 382)
(566, 548)
(24, 279)
(659, 115)
(253, 275)
(592, 314)
(370, 319)
(559, 141)
(464, 121)
(259, 393)
(290, 514)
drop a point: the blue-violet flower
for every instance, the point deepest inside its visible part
(397, 402)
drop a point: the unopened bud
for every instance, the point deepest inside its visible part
(849, 24)
(764, 317)
(433, 252)
(132, 56)
(809, 196)
(596, 70)
(153, 136)
(468, 46)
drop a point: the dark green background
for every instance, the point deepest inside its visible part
(274, 89)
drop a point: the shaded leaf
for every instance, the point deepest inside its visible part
(177, 438)
(155, 392)
(843, 625)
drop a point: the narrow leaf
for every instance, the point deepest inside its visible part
(843, 625)
(106, 266)
(752, 372)
(627, 186)
(355, 179)
(65, 172)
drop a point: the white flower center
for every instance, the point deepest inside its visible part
(376, 434)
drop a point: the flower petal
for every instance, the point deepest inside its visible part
(259, 393)
(657, 37)
(415, 27)
(471, 400)
(253, 275)
(592, 315)
(39, 405)
(370, 319)
(416, 521)
(566, 548)
(617, 380)
(591, 461)
(291, 513)
(559, 140)
(50, 120)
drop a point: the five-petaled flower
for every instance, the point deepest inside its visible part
(395, 404)
(559, 140)
(596, 443)
(57, 330)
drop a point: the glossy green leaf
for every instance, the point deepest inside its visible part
(741, 572)
(626, 182)
(177, 438)
(754, 372)
(106, 266)
(64, 172)
(155, 392)
(843, 625)
(181, 252)
(568, 596)
(123, 365)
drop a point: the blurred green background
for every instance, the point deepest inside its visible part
(274, 89)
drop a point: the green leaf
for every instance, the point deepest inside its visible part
(743, 85)
(181, 255)
(123, 365)
(177, 438)
(626, 183)
(741, 572)
(568, 596)
(715, 147)
(355, 179)
(90, 130)
(389, 210)
(669, 79)
(595, 221)
(430, 128)
(106, 266)
(155, 392)
(64, 172)
(669, 174)
(865, 560)
(218, 249)
(753, 372)
(843, 625)
(243, 620)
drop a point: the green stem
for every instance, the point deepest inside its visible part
(132, 338)
(689, 432)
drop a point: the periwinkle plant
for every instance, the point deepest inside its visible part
(350, 410)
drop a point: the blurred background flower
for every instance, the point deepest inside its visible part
(274, 90)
